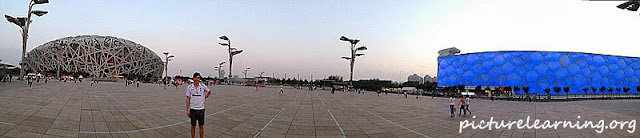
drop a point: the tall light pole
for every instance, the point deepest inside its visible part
(246, 71)
(232, 51)
(353, 54)
(631, 5)
(219, 67)
(24, 23)
(166, 66)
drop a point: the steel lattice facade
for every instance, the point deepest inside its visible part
(539, 70)
(99, 56)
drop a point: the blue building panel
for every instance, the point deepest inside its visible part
(539, 70)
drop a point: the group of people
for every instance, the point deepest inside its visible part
(464, 103)
(129, 82)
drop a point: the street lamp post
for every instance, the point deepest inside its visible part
(245, 72)
(352, 59)
(166, 67)
(232, 52)
(219, 67)
(24, 23)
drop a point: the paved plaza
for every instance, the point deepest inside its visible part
(70, 109)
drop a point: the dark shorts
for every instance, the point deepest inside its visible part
(197, 115)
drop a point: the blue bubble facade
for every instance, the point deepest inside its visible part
(539, 70)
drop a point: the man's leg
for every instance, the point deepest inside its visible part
(468, 109)
(193, 122)
(193, 131)
(201, 131)
(201, 122)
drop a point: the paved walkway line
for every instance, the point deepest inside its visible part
(334, 118)
(158, 127)
(274, 117)
(388, 120)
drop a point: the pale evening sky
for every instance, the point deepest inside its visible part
(301, 37)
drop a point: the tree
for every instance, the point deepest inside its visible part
(638, 88)
(557, 89)
(335, 77)
(566, 90)
(618, 91)
(626, 90)
(610, 91)
(548, 91)
(526, 90)
(602, 89)
(594, 90)
(585, 89)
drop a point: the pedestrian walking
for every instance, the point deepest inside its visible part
(30, 82)
(451, 107)
(462, 104)
(257, 87)
(137, 83)
(468, 100)
(195, 104)
(281, 88)
(333, 89)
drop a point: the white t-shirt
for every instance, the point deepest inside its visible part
(451, 101)
(197, 96)
(468, 100)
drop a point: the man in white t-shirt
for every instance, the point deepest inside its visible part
(195, 103)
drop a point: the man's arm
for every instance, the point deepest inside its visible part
(207, 96)
(188, 102)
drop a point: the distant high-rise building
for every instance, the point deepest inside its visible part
(221, 75)
(415, 78)
(428, 78)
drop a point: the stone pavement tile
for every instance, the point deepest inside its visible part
(66, 125)
(529, 135)
(21, 133)
(119, 135)
(126, 126)
(54, 136)
(298, 136)
(279, 129)
(301, 132)
(135, 135)
(114, 126)
(4, 128)
(373, 131)
(235, 133)
(97, 116)
(224, 136)
(354, 132)
(210, 133)
(271, 135)
(328, 133)
(151, 134)
(104, 135)
(100, 126)
(327, 128)
(300, 127)
(166, 132)
(29, 128)
(63, 133)
(139, 124)
(86, 116)
(398, 131)
(414, 135)
(81, 135)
